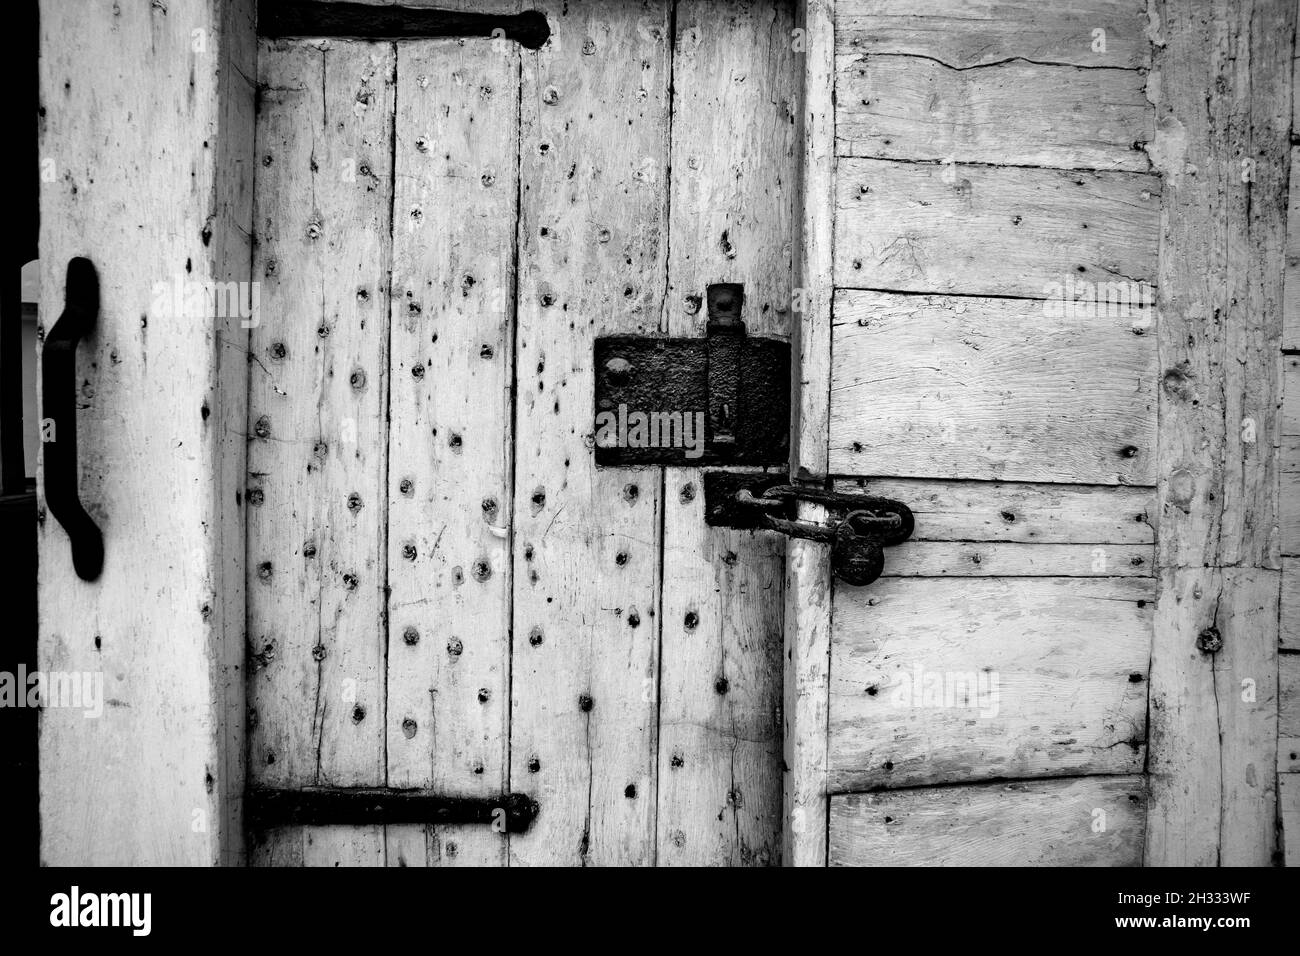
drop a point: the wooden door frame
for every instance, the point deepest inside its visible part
(807, 622)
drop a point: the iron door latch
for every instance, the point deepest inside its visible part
(725, 400)
(860, 526)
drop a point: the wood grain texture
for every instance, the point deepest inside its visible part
(1289, 638)
(1224, 155)
(969, 387)
(1225, 166)
(814, 241)
(1089, 821)
(1289, 458)
(157, 778)
(981, 230)
(807, 611)
(594, 148)
(449, 481)
(731, 205)
(930, 559)
(1288, 713)
(1012, 113)
(279, 847)
(1289, 795)
(1213, 731)
(980, 678)
(317, 443)
(1291, 280)
(960, 511)
(985, 32)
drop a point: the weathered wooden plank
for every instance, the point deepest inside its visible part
(407, 845)
(1089, 821)
(1291, 280)
(1288, 713)
(814, 259)
(985, 32)
(280, 847)
(1289, 615)
(1018, 559)
(338, 846)
(982, 230)
(1213, 733)
(1221, 269)
(969, 387)
(1289, 459)
(1224, 160)
(731, 201)
(316, 421)
(594, 148)
(1018, 512)
(1289, 796)
(1289, 495)
(1012, 113)
(156, 778)
(449, 481)
(807, 610)
(986, 678)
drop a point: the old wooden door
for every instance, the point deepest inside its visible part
(444, 591)
(1046, 341)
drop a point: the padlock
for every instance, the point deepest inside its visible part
(856, 558)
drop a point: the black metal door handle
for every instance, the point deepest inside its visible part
(59, 409)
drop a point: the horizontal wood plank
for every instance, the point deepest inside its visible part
(982, 230)
(984, 388)
(984, 678)
(922, 559)
(1090, 821)
(1013, 113)
(1016, 511)
(984, 32)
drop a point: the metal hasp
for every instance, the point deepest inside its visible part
(719, 400)
(860, 526)
(59, 391)
(265, 808)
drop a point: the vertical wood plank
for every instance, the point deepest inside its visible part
(157, 777)
(1213, 719)
(1225, 166)
(1289, 796)
(807, 625)
(334, 846)
(593, 148)
(1224, 70)
(316, 424)
(449, 488)
(1291, 293)
(731, 207)
(280, 847)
